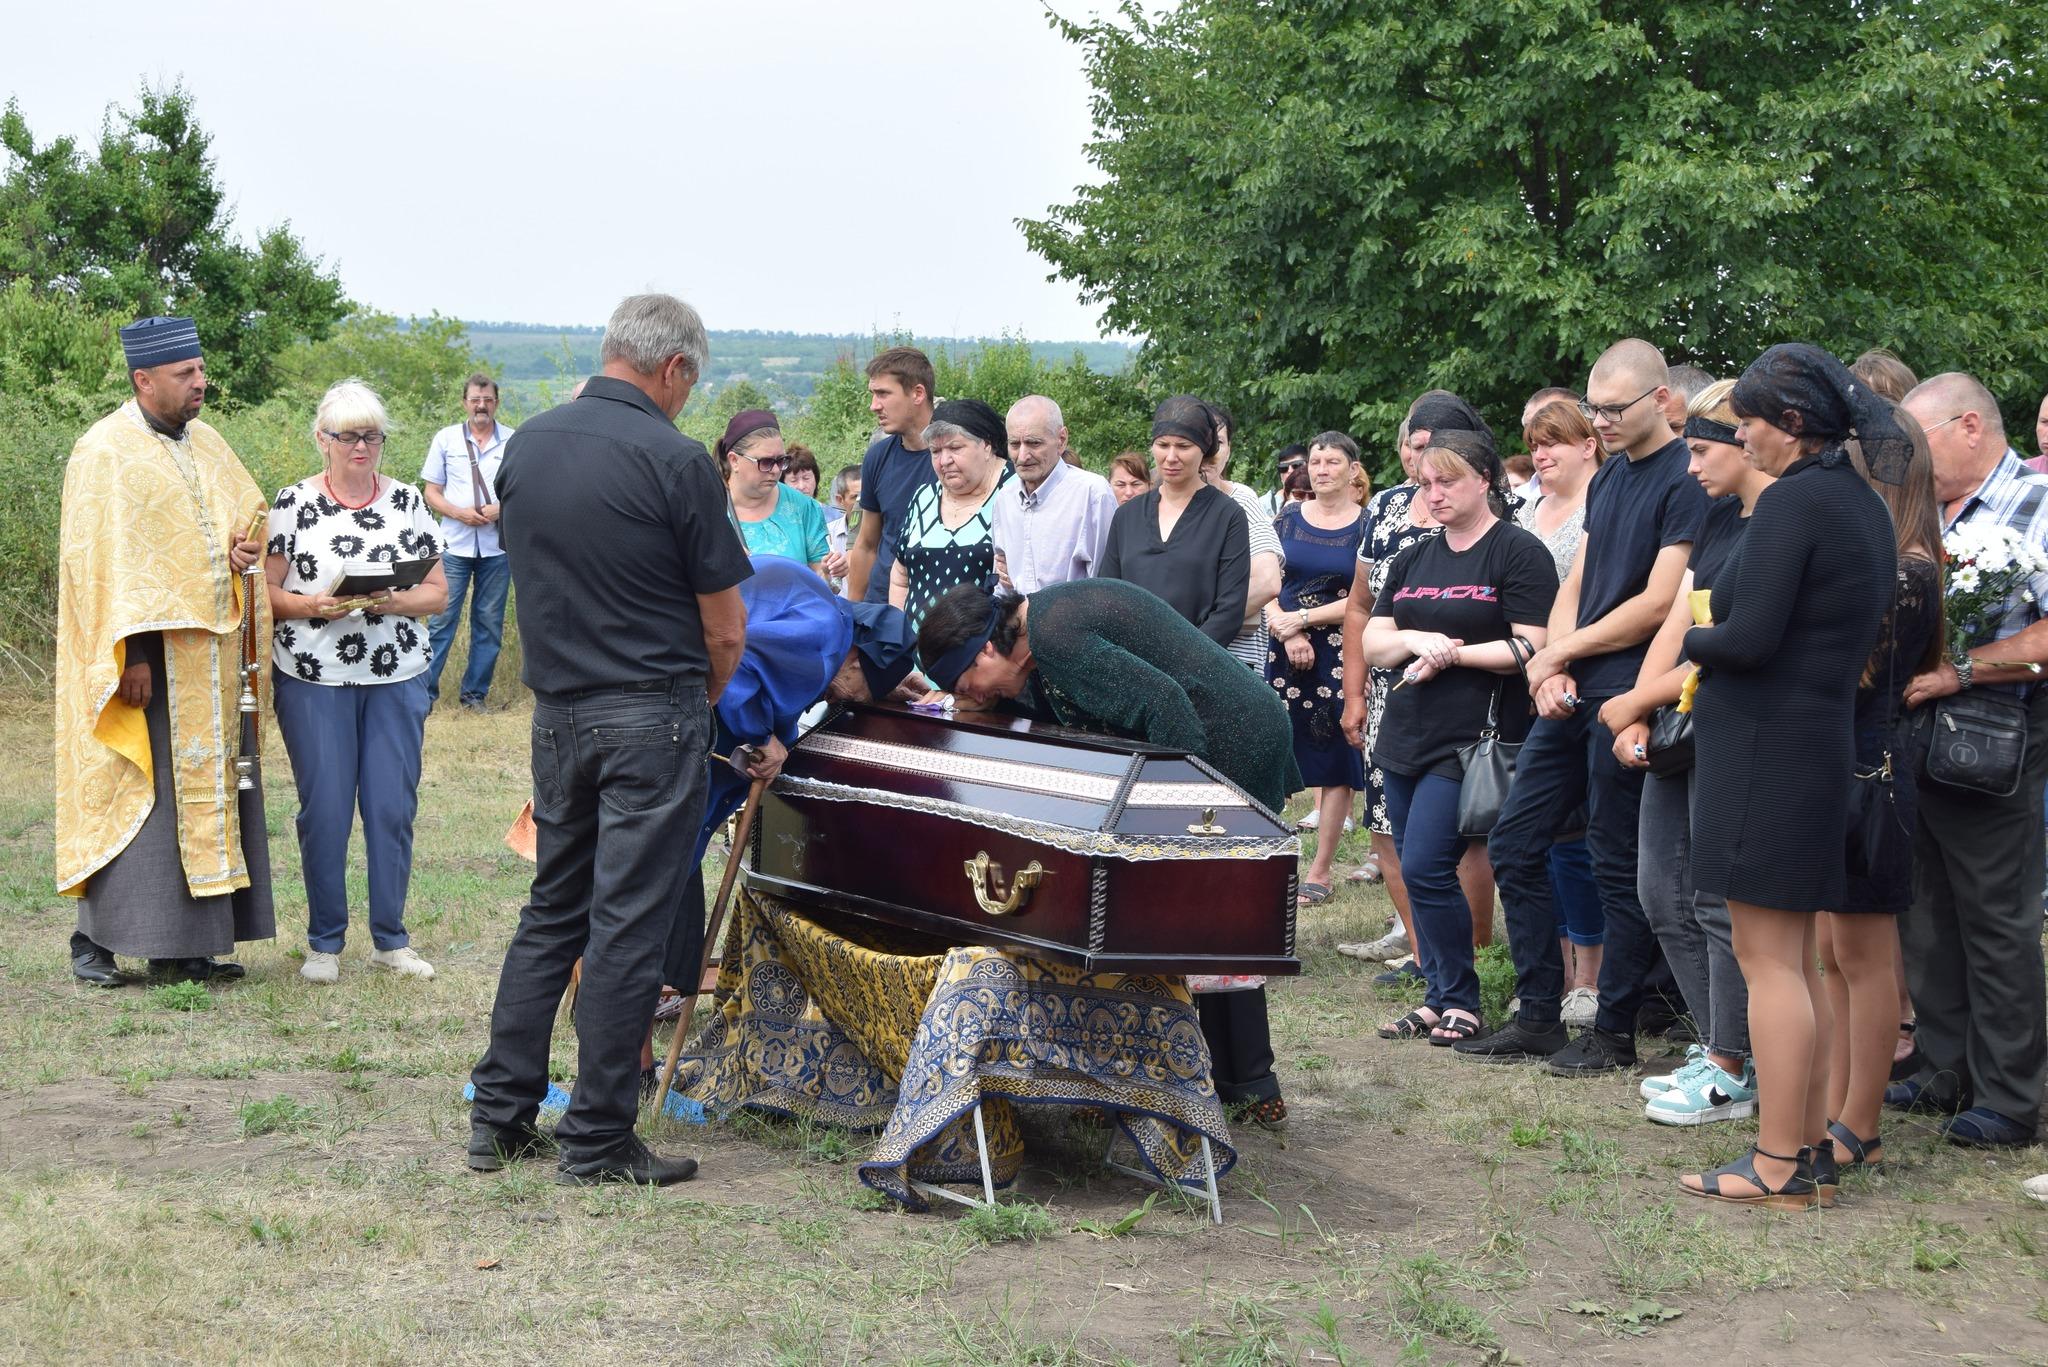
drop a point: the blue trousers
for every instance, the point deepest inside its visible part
(1576, 894)
(618, 795)
(354, 749)
(1562, 764)
(1424, 812)
(493, 580)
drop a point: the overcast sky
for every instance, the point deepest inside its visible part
(811, 165)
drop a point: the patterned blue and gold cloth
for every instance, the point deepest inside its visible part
(864, 1027)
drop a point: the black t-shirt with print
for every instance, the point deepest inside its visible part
(1473, 595)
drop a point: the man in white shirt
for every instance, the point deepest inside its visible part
(460, 480)
(1049, 523)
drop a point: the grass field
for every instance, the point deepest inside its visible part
(272, 1172)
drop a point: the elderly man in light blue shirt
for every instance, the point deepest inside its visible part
(1050, 522)
(460, 481)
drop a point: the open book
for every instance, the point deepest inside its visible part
(359, 578)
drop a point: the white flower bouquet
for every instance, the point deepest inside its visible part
(1986, 564)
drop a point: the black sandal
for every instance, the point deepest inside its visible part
(1797, 1193)
(1453, 1026)
(1414, 1025)
(1859, 1152)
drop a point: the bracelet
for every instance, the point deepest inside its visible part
(1966, 669)
(1301, 619)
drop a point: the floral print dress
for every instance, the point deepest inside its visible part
(1388, 532)
(317, 536)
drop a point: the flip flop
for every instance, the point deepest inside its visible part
(1312, 895)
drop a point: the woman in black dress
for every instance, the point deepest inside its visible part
(1797, 611)
(1859, 941)
(1185, 541)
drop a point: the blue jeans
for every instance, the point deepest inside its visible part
(493, 576)
(618, 796)
(1424, 812)
(1562, 764)
(1576, 894)
(354, 748)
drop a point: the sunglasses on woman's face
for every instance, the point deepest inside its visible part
(773, 465)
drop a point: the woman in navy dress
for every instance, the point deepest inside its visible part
(1319, 540)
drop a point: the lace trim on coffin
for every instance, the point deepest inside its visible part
(1030, 778)
(1111, 844)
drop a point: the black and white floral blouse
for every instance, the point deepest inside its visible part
(316, 536)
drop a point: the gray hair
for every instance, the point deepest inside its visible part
(1965, 394)
(1689, 380)
(847, 475)
(936, 432)
(1040, 407)
(647, 329)
(1336, 441)
(349, 406)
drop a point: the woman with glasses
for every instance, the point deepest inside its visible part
(351, 675)
(948, 536)
(773, 518)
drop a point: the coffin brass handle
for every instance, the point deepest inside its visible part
(982, 871)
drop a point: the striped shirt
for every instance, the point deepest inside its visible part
(2013, 496)
(1250, 646)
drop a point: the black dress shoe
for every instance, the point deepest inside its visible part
(1595, 1051)
(199, 970)
(491, 1148)
(96, 966)
(630, 1161)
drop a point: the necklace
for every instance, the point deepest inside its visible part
(328, 484)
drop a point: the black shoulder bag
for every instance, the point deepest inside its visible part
(1978, 742)
(1489, 763)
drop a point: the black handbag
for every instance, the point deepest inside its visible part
(1489, 772)
(1873, 813)
(1978, 742)
(1669, 749)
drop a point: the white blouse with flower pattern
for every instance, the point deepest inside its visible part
(315, 534)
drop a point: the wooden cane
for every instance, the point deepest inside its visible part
(692, 990)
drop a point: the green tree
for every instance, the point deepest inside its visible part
(141, 225)
(1319, 208)
(417, 365)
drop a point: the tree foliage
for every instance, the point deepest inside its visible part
(1318, 208)
(417, 365)
(140, 225)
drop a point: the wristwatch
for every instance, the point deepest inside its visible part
(1966, 669)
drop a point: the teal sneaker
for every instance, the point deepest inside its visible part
(1707, 1095)
(1654, 1087)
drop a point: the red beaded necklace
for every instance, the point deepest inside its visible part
(352, 507)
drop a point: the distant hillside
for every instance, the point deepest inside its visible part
(523, 353)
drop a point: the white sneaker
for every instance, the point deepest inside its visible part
(2037, 1187)
(1579, 1006)
(1391, 947)
(403, 962)
(1657, 1084)
(320, 967)
(1708, 1094)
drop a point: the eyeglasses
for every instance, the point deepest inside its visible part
(1613, 411)
(772, 464)
(371, 440)
(1287, 465)
(1930, 431)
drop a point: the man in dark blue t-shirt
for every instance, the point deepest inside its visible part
(895, 467)
(1642, 512)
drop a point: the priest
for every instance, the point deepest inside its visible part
(168, 861)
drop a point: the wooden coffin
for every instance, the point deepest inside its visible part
(986, 829)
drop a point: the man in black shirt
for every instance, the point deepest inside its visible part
(627, 572)
(1642, 512)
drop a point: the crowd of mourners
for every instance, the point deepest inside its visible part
(1699, 685)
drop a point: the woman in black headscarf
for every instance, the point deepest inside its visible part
(1185, 540)
(1797, 608)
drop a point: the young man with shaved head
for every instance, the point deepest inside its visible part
(1642, 513)
(1972, 936)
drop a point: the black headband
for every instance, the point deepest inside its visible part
(945, 671)
(1706, 429)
